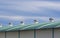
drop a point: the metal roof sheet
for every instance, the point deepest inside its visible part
(31, 26)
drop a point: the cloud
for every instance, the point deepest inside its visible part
(38, 7)
(21, 17)
(32, 6)
(12, 17)
(17, 18)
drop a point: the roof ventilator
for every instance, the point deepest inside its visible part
(51, 19)
(36, 21)
(22, 23)
(10, 24)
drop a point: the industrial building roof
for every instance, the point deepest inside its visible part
(31, 26)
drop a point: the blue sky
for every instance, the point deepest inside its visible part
(27, 10)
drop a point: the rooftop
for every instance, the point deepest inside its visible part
(31, 26)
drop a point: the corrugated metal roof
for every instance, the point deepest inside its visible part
(31, 26)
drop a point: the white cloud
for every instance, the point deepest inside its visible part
(12, 17)
(20, 18)
(32, 6)
(15, 18)
(38, 6)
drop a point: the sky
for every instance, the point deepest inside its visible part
(28, 10)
